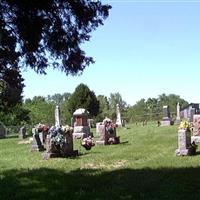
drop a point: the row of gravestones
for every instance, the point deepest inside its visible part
(3, 131)
(58, 140)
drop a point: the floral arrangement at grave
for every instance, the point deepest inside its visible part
(185, 125)
(58, 135)
(57, 138)
(87, 143)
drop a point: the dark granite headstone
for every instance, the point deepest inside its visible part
(38, 140)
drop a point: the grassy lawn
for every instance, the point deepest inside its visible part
(143, 166)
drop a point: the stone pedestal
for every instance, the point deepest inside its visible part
(184, 142)
(195, 139)
(81, 132)
(166, 122)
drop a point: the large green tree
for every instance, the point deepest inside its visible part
(103, 108)
(43, 32)
(83, 97)
(40, 110)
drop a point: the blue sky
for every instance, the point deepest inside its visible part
(144, 49)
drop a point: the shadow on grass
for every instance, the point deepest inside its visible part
(45, 183)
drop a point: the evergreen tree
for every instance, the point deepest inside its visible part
(83, 97)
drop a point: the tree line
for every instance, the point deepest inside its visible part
(40, 109)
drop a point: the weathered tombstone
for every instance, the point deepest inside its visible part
(107, 132)
(57, 117)
(3, 131)
(38, 138)
(178, 113)
(59, 143)
(184, 142)
(192, 113)
(196, 129)
(22, 132)
(166, 116)
(98, 127)
(81, 127)
(119, 120)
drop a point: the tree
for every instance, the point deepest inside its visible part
(11, 89)
(116, 98)
(40, 33)
(40, 110)
(83, 97)
(103, 107)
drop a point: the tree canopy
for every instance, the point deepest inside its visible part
(83, 97)
(40, 33)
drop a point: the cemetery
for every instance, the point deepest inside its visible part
(142, 151)
(61, 140)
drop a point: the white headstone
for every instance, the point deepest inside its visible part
(119, 120)
(57, 116)
(178, 113)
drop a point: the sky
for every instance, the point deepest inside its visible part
(145, 48)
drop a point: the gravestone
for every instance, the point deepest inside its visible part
(107, 133)
(184, 142)
(192, 113)
(118, 114)
(196, 129)
(57, 117)
(59, 143)
(3, 131)
(98, 127)
(22, 132)
(81, 127)
(178, 119)
(38, 138)
(166, 120)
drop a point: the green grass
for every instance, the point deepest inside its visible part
(143, 166)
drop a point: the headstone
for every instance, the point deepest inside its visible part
(81, 127)
(119, 120)
(178, 113)
(192, 113)
(107, 133)
(22, 132)
(38, 139)
(57, 117)
(196, 125)
(3, 131)
(184, 142)
(98, 127)
(166, 116)
(59, 143)
(196, 129)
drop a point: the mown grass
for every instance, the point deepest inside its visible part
(143, 166)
